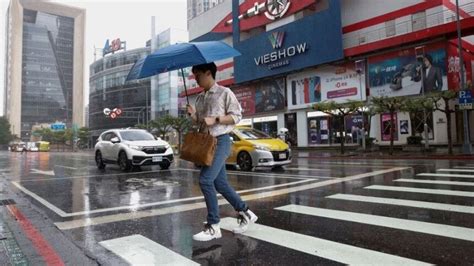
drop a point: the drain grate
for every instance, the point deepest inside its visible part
(7, 202)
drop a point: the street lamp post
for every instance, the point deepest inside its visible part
(359, 70)
(467, 148)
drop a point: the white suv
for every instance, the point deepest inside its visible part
(132, 147)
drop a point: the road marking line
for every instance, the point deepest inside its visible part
(139, 250)
(137, 206)
(194, 206)
(423, 190)
(307, 169)
(403, 224)
(456, 170)
(445, 175)
(89, 176)
(323, 248)
(36, 171)
(69, 167)
(42, 246)
(406, 203)
(40, 200)
(464, 167)
(435, 182)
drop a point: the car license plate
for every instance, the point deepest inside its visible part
(157, 159)
(282, 156)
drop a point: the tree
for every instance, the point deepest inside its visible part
(162, 125)
(389, 105)
(5, 133)
(339, 111)
(415, 107)
(83, 136)
(181, 125)
(45, 133)
(446, 97)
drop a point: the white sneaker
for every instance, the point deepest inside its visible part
(210, 232)
(244, 220)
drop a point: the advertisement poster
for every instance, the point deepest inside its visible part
(400, 73)
(246, 97)
(404, 127)
(270, 95)
(454, 78)
(267, 96)
(332, 83)
(385, 122)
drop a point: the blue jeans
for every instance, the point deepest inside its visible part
(214, 178)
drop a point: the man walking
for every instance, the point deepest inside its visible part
(217, 110)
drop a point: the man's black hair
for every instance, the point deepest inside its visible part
(429, 58)
(205, 67)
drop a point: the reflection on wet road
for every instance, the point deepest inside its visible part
(314, 211)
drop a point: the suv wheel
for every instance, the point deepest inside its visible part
(123, 162)
(244, 160)
(99, 161)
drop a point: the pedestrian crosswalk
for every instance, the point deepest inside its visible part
(419, 185)
(452, 197)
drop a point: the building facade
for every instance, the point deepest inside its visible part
(197, 7)
(44, 65)
(166, 86)
(298, 53)
(140, 101)
(108, 90)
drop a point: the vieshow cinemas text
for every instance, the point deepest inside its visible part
(273, 58)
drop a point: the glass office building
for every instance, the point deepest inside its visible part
(44, 66)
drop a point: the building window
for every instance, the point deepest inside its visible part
(390, 28)
(418, 21)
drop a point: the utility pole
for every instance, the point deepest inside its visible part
(360, 68)
(467, 148)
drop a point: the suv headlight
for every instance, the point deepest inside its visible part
(135, 147)
(261, 147)
(167, 146)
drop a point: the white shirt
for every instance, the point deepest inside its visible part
(218, 101)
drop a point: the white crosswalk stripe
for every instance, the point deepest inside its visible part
(471, 171)
(403, 224)
(445, 175)
(139, 250)
(331, 250)
(464, 167)
(423, 190)
(407, 203)
(436, 182)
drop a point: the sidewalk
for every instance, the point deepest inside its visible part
(10, 252)
(352, 154)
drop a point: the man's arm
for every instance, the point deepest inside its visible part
(439, 79)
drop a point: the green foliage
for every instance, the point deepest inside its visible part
(162, 125)
(5, 133)
(338, 109)
(83, 135)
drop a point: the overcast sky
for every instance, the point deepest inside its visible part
(129, 20)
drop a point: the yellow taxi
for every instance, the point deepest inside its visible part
(252, 148)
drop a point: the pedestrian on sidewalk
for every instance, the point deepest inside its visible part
(217, 110)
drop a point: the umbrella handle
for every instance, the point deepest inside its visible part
(185, 89)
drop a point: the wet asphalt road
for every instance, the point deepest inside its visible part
(315, 211)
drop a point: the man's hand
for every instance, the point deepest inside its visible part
(210, 120)
(190, 109)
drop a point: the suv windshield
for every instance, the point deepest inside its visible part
(136, 135)
(250, 133)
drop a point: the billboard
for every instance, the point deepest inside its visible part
(400, 73)
(312, 40)
(385, 122)
(337, 83)
(262, 97)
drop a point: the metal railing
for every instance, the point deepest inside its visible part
(354, 39)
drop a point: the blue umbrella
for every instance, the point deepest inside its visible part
(179, 56)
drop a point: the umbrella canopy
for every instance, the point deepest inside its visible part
(179, 56)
